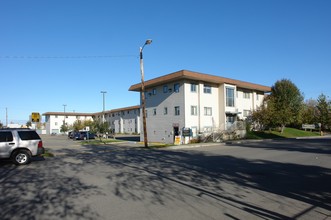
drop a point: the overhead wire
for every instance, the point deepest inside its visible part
(66, 57)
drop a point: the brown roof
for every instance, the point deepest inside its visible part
(120, 109)
(68, 113)
(92, 114)
(185, 74)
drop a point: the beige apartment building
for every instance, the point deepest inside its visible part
(200, 102)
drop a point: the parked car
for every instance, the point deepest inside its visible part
(20, 145)
(83, 135)
(71, 134)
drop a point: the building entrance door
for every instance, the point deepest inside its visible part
(230, 119)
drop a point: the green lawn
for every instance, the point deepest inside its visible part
(97, 141)
(288, 133)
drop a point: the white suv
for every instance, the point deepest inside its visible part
(20, 145)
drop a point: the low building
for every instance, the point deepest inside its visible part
(54, 120)
(196, 101)
(122, 120)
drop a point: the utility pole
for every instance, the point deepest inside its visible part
(64, 115)
(103, 109)
(6, 117)
(143, 101)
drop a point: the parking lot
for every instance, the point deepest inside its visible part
(284, 179)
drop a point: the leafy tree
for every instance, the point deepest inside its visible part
(28, 124)
(100, 128)
(309, 112)
(78, 125)
(323, 107)
(262, 117)
(64, 128)
(286, 100)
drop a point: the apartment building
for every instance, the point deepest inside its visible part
(54, 120)
(200, 102)
(122, 120)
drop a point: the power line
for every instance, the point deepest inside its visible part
(67, 57)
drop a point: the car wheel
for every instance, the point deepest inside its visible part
(21, 157)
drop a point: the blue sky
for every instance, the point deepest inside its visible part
(55, 52)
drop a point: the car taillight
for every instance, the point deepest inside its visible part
(40, 144)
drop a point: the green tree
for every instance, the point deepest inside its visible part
(28, 124)
(262, 117)
(101, 128)
(64, 128)
(287, 101)
(309, 112)
(78, 125)
(323, 107)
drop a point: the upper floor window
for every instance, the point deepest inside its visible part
(194, 110)
(207, 89)
(229, 97)
(193, 87)
(208, 111)
(247, 95)
(154, 111)
(165, 111)
(165, 89)
(154, 91)
(176, 87)
(177, 110)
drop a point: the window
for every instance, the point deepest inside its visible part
(193, 87)
(6, 136)
(28, 135)
(208, 111)
(176, 87)
(247, 95)
(194, 110)
(177, 110)
(165, 111)
(207, 89)
(257, 96)
(165, 89)
(154, 111)
(246, 113)
(229, 97)
(154, 91)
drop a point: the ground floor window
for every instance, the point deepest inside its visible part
(230, 119)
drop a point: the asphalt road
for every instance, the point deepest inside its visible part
(288, 179)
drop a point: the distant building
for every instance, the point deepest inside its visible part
(54, 120)
(121, 120)
(200, 102)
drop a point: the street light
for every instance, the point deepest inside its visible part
(103, 109)
(143, 104)
(64, 116)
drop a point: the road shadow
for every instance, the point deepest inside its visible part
(43, 190)
(313, 145)
(54, 188)
(206, 174)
